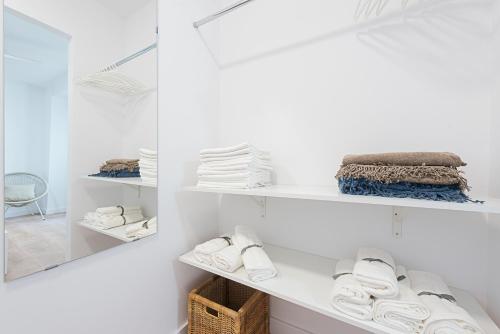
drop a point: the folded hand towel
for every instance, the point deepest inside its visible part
(446, 316)
(203, 252)
(228, 259)
(141, 229)
(406, 312)
(147, 152)
(225, 149)
(375, 270)
(436, 175)
(348, 295)
(244, 151)
(264, 159)
(253, 161)
(257, 264)
(118, 210)
(230, 169)
(406, 159)
(107, 222)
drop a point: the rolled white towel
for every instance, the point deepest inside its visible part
(257, 264)
(348, 295)
(203, 252)
(446, 316)
(118, 210)
(142, 228)
(375, 270)
(228, 259)
(406, 312)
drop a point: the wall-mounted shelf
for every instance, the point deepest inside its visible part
(331, 194)
(133, 181)
(117, 232)
(306, 280)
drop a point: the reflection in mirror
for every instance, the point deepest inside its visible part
(80, 130)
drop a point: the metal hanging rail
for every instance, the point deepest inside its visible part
(129, 58)
(220, 13)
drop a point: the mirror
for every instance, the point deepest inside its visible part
(80, 124)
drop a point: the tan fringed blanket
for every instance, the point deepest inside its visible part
(437, 175)
(120, 164)
(405, 159)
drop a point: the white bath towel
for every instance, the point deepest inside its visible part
(221, 150)
(228, 259)
(406, 312)
(231, 169)
(250, 178)
(257, 264)
(118, 210)
(244, 151)
(203, 252)
(142, 228)
(348, 295)
(148, 153)
(446, 316)
(375, 270)
(252, 161)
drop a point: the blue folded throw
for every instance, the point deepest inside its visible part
(119, 173)
(448, 193)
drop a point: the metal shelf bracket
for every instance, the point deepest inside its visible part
(262, 203)
(397, 222)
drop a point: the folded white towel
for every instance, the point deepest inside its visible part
(151, 228)
(221, 150)
(375, 270)
(107, 222)
(250, 178)
(148, 152)
(257, 264)
(118, 210)
(406, 312)
(232, 185)
(263, 158)
(253, 161)
(231, 169)
(228, 259)
(446, 316)
(348, 295)
(248, 150)
(203, 252)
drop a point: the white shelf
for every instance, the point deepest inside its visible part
(133, 181)
(331, 194)
(306, 280)
(117, 232)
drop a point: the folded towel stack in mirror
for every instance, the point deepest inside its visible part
(148, 165)
(237, 167)
(421, 175)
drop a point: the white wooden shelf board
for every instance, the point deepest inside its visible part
(133, 181)
(331, 194)
(306, 280)
(117, 232)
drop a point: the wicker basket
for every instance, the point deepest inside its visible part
(221, 306)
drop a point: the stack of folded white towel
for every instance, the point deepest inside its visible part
(229, 253)
(374, 288)
(148, 165)
(240, 167)
(142, 229)
(114, 216)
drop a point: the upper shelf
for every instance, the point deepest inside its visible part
(306, 280)
(133, 181)
(331, 194)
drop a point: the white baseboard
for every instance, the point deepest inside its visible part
(183, 329)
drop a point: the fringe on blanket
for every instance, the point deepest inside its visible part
(448, 193)
(430, 175)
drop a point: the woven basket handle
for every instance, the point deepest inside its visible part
(212, 312)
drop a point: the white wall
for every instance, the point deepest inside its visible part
(144, 273)
(311, 87)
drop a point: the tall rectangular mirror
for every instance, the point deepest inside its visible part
(80, 129)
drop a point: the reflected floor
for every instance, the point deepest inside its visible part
(34, 244)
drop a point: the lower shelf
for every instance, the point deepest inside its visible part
(306, 280)
(117, 232)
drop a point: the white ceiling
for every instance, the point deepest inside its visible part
(124, 7)
(33, 53)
